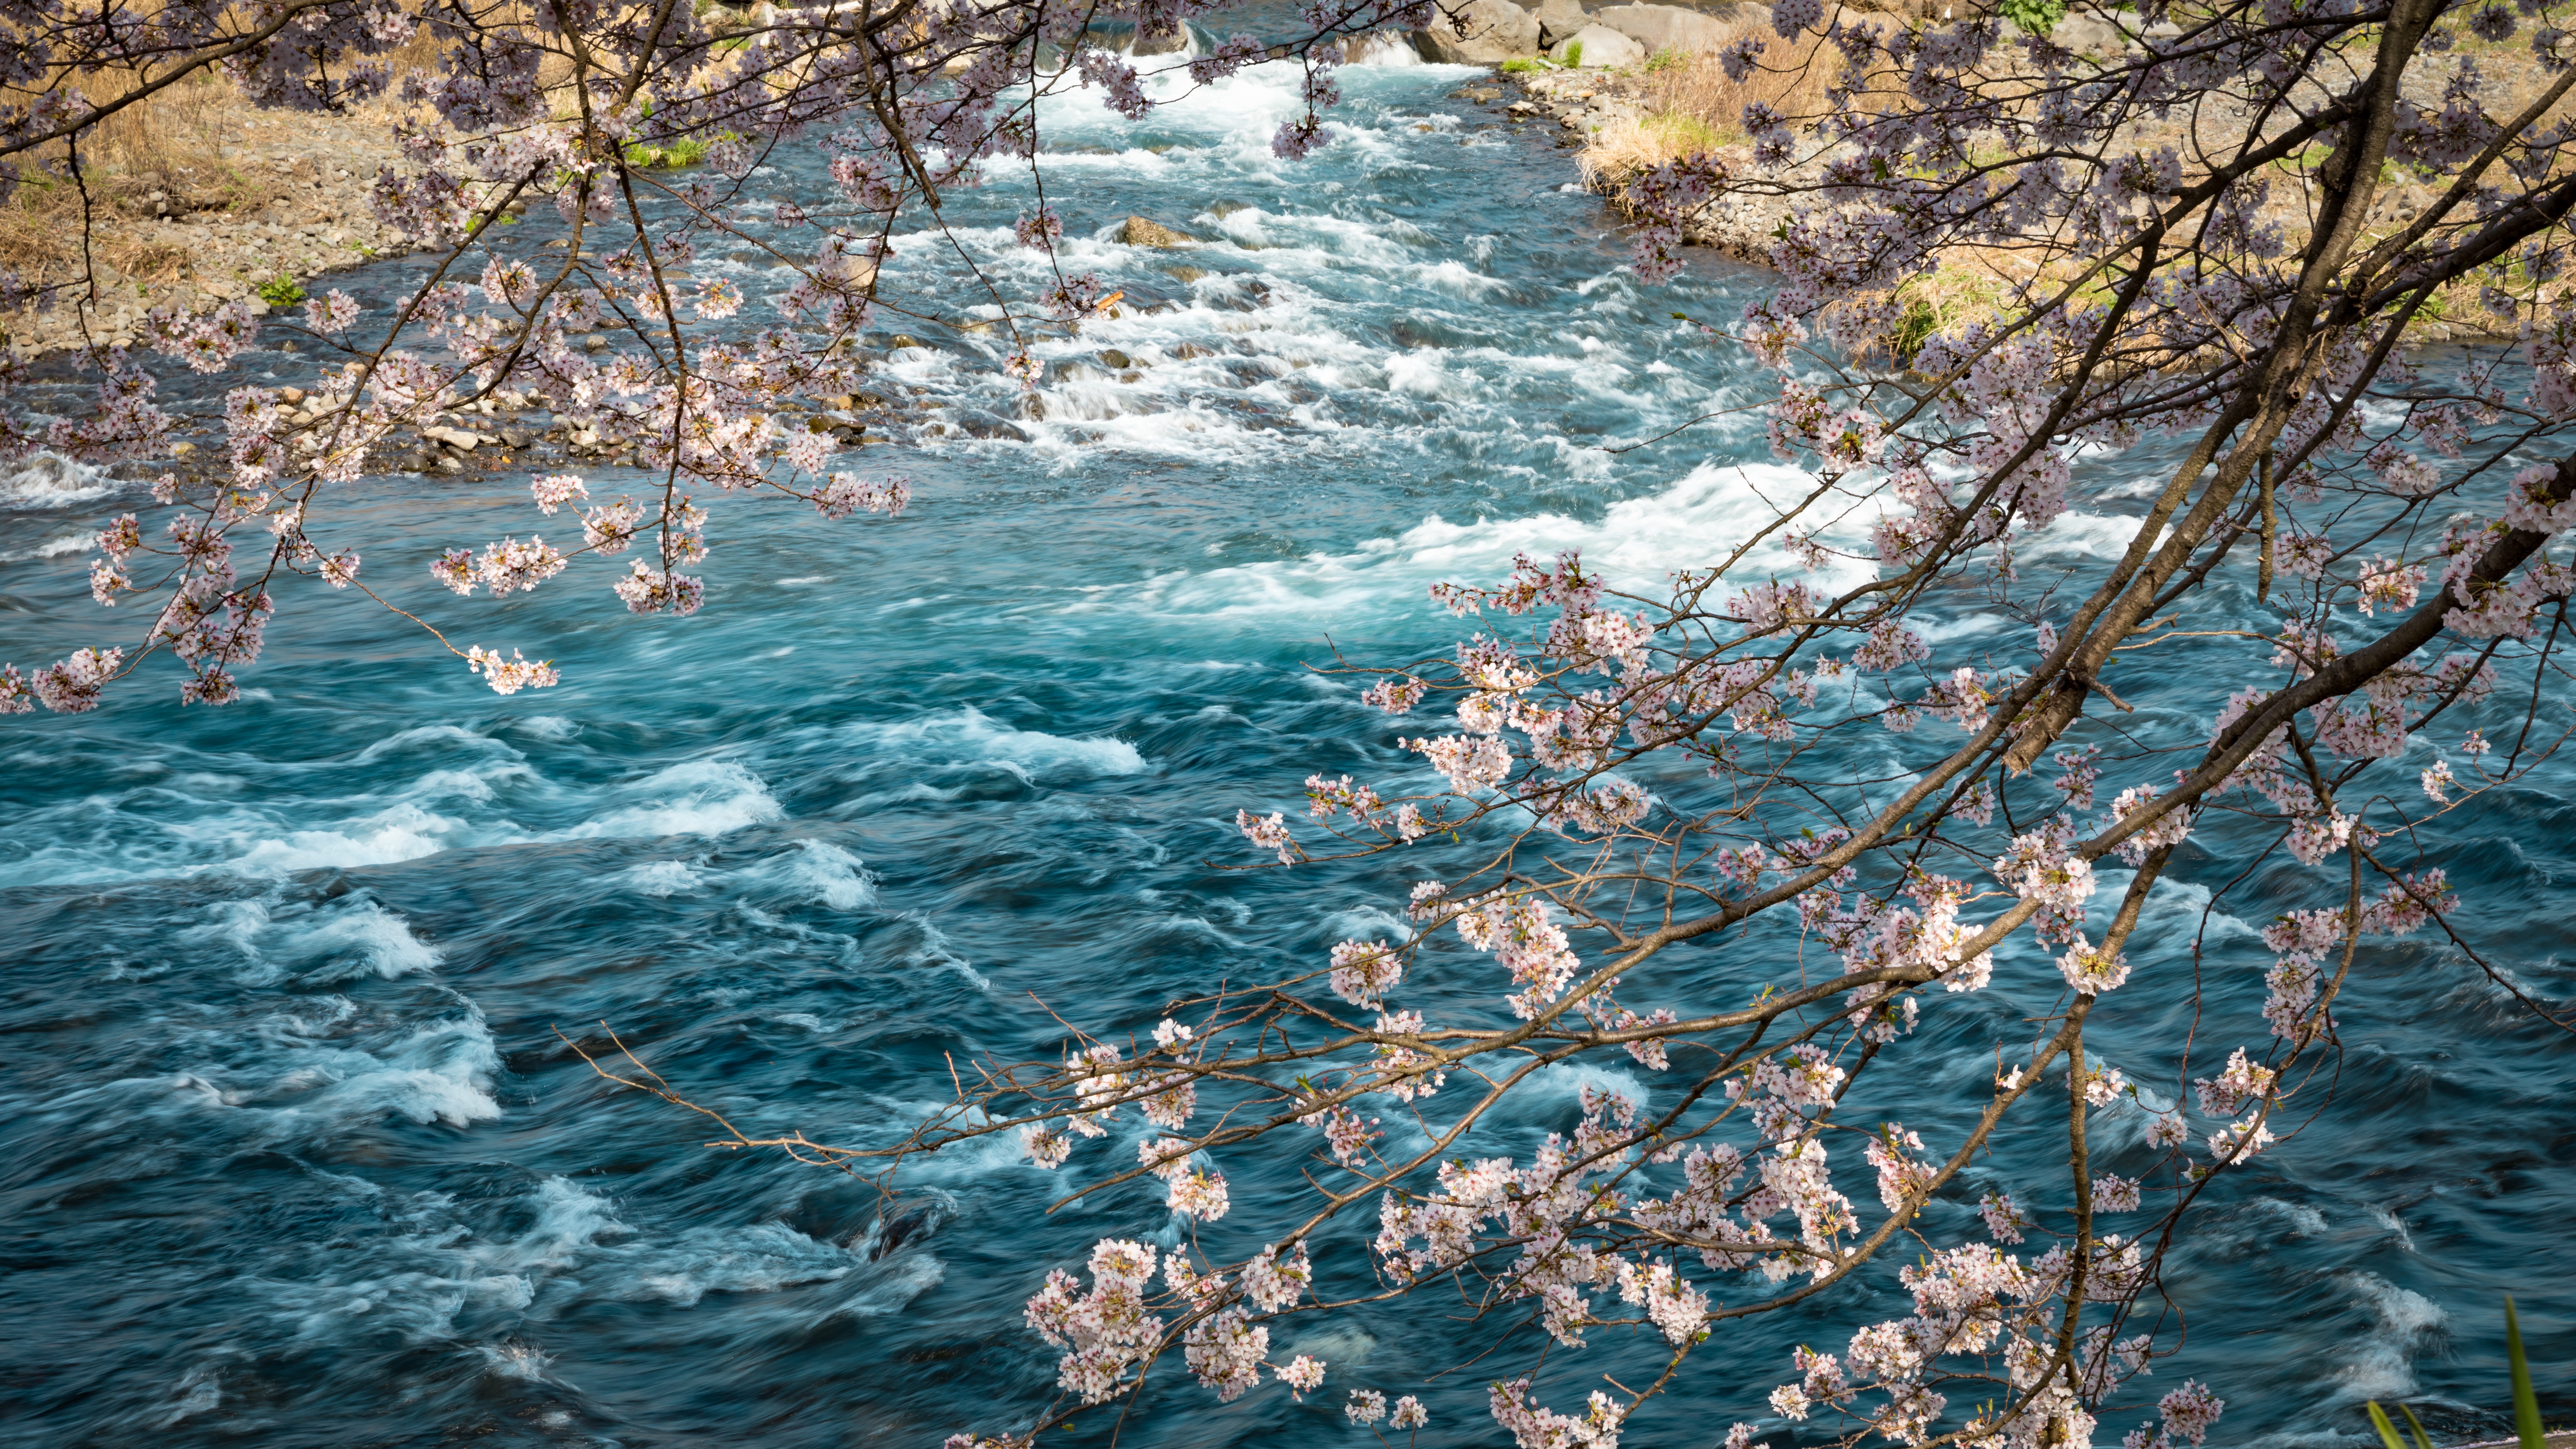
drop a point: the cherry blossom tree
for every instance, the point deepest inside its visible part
(556, 102)
(2197, 243)
(1769, 758)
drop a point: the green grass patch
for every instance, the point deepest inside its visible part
(1524, 67)
(2034, 17)
(666, 156)
(1913, 330)
(1687, 135)
(281, 291)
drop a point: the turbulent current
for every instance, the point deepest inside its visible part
(293, 1152)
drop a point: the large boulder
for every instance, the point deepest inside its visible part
(1667, 27)
(1598, 47)
(1558, 20)
(1478, 32)
(1138, 231)
(2088, 34)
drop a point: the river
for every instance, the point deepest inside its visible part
(294, 1153)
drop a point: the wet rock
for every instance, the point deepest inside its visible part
(1138, 231)
(1113, 359)
(1481, 95)
(900, 341)
(457, 438)
(1172, 44)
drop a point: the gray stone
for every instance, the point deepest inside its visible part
(1667, 27)
(2088, 34)
(1598, 47)
(1479, 32)
(1558, 20)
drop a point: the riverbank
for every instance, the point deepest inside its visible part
(254, 201)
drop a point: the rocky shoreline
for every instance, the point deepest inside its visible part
(285, 197)
(290, 199)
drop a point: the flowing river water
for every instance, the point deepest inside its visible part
(294, 1154)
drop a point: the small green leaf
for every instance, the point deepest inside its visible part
(2035, 17)
(2526, 1404)
(2387, 1430)
(2416, 1425)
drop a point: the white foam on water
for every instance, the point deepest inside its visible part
(661, 878)
(50, 480)
(761, 1259)
(1344, 1346)
(442, 738)
(52, 548)
(421, 1307)
(2300, 1220)
(2383, 1362)
(831, 876)
(935, 951)
(1365, 923)
(441, 1073)
(198, 1391)
(396, 833)
(570, 1220)
(2082, 534)
(2173, 910)
(1566, 1082)
(970, 736)
(355, 941)
(697, 797)
(1635, 544)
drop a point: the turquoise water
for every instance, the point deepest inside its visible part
(294, 1151)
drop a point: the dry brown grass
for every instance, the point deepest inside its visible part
(167, 153)
(1692, 107)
